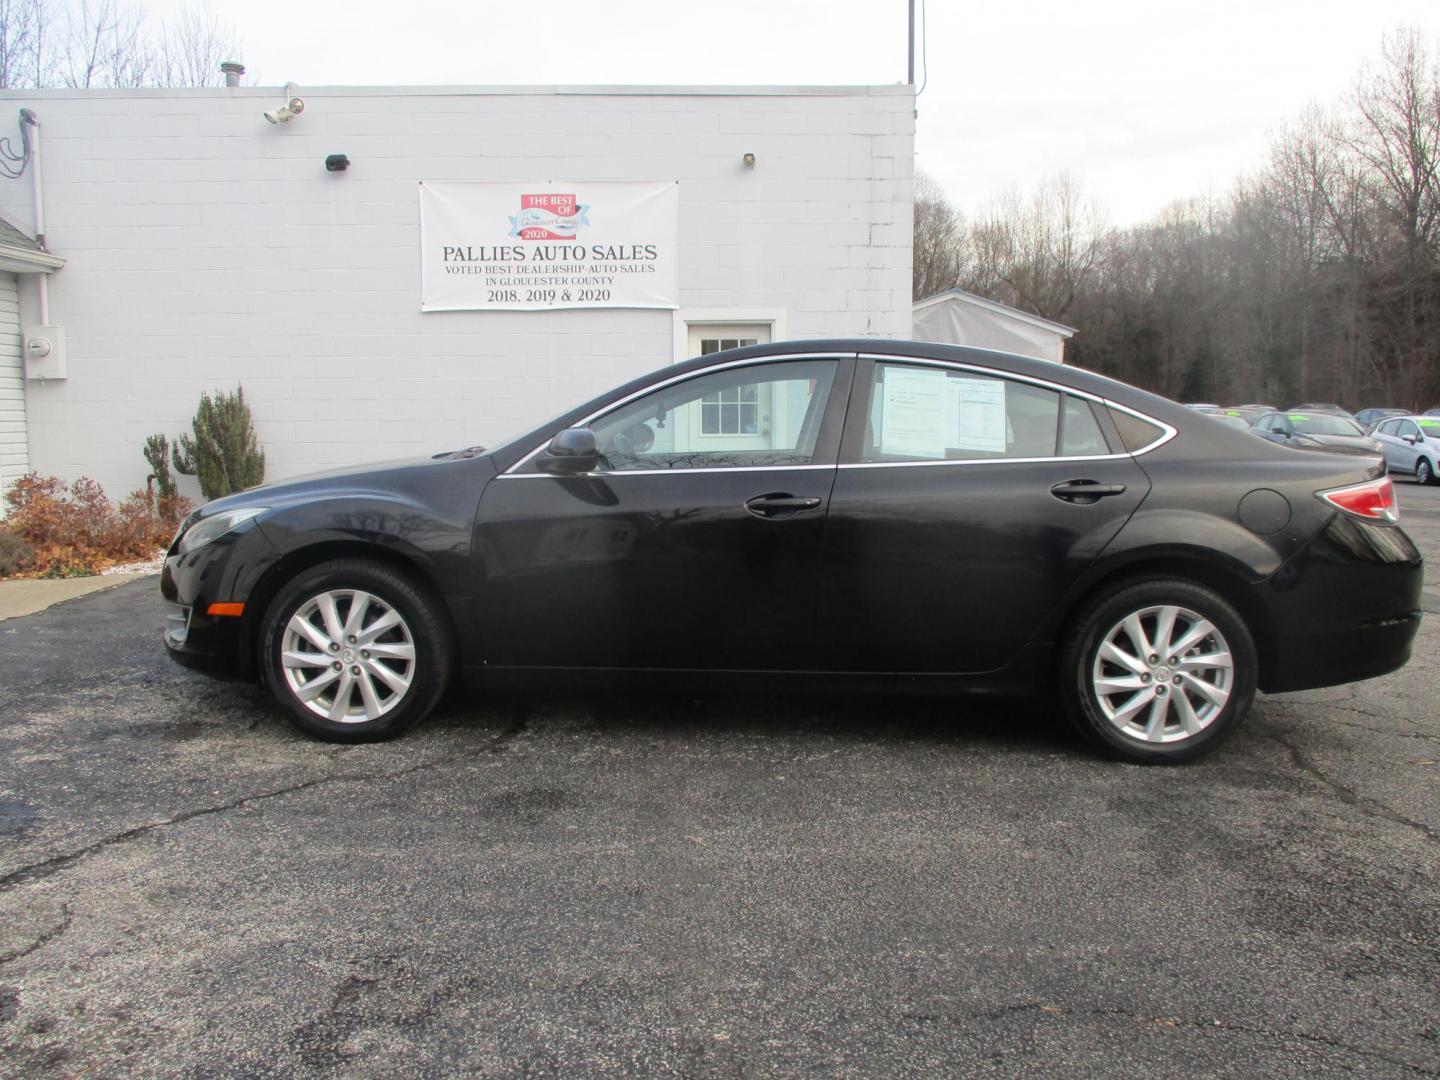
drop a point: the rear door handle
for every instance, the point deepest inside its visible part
(1085, 491)
(780, 504)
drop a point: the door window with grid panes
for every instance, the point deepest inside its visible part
(710, 345)
(783, 403)
(735, 411)
(737, 417)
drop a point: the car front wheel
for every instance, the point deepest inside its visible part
(1160, 672)
(1424, 474)
(354, 651)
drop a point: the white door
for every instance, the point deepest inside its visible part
(14, 447)
(752, 417)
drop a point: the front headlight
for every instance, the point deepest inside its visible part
(216, 526)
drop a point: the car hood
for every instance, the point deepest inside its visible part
(381, 476)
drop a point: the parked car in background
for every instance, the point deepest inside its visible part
(1249, 413)
(1368, 418)
(1411, 445)
(1432, 412)
(844, 512)
(1322, 407)
(1315, 430)
(1229, 418)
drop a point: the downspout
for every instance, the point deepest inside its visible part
(31, 123)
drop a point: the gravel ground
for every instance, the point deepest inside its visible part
(649, 884)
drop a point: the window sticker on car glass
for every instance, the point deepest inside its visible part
(912, 415)
(1433, 425)
(1294, 416)
(975, 415)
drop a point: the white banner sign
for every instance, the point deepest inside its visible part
(548, 244)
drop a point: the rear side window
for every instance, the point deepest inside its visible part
(921, 413)
(1135, 433)
(1080, 434)
(1389, 427)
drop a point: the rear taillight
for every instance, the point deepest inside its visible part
(1373, 500)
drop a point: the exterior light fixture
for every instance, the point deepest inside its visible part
(292, 108)
(749, 160)
(285, 113)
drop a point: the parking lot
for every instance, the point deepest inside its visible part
(791, 885)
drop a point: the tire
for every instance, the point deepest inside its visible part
(1115, 704)
(351, 693)
(1424, 472)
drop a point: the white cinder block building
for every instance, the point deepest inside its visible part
(204, 247)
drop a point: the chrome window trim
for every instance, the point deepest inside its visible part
(1167, 431)
(978, 461)
(775, 358)
(661, 472)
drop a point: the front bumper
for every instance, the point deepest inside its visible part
(1345, 608)
(226, 570)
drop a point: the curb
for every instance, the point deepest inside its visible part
(32, 595)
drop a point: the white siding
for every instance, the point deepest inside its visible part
(14, 455)
(207, 247)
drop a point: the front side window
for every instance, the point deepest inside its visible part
(757, 415)
(921, 413)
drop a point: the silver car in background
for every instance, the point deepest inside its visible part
(1411, 444)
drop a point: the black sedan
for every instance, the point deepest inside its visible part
(886, 512)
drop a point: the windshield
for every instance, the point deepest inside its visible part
(1324, 424)
(1430, 428)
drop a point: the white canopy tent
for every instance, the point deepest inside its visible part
(957, 317)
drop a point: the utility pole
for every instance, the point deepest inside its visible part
(911, 69)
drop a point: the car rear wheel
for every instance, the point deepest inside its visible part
(1160, 672)
(1424, 474)
(355, 651)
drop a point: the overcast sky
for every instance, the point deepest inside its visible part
(1144, 100)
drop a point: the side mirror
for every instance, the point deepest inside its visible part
(573, 450)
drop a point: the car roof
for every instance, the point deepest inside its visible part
(1012, 363)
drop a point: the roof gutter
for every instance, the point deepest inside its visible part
(21, 260)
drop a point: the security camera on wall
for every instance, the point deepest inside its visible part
(287, 112)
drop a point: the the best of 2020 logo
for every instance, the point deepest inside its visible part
(549, 217)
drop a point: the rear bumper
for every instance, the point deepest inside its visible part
(1345, 608)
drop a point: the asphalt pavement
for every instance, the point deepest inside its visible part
(652, 884)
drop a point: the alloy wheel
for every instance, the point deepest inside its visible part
(1422, 472)
(348, 656)
(1162, 674)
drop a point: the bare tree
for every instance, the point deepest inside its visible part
(110, 43)
(192, 45)
(1395, 132)
(18, 37)
(939, 240)
(105, 46)
(1042, 249)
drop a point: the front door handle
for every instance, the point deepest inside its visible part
(1085, 492)
(780, 504)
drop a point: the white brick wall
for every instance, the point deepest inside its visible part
(207, 247)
